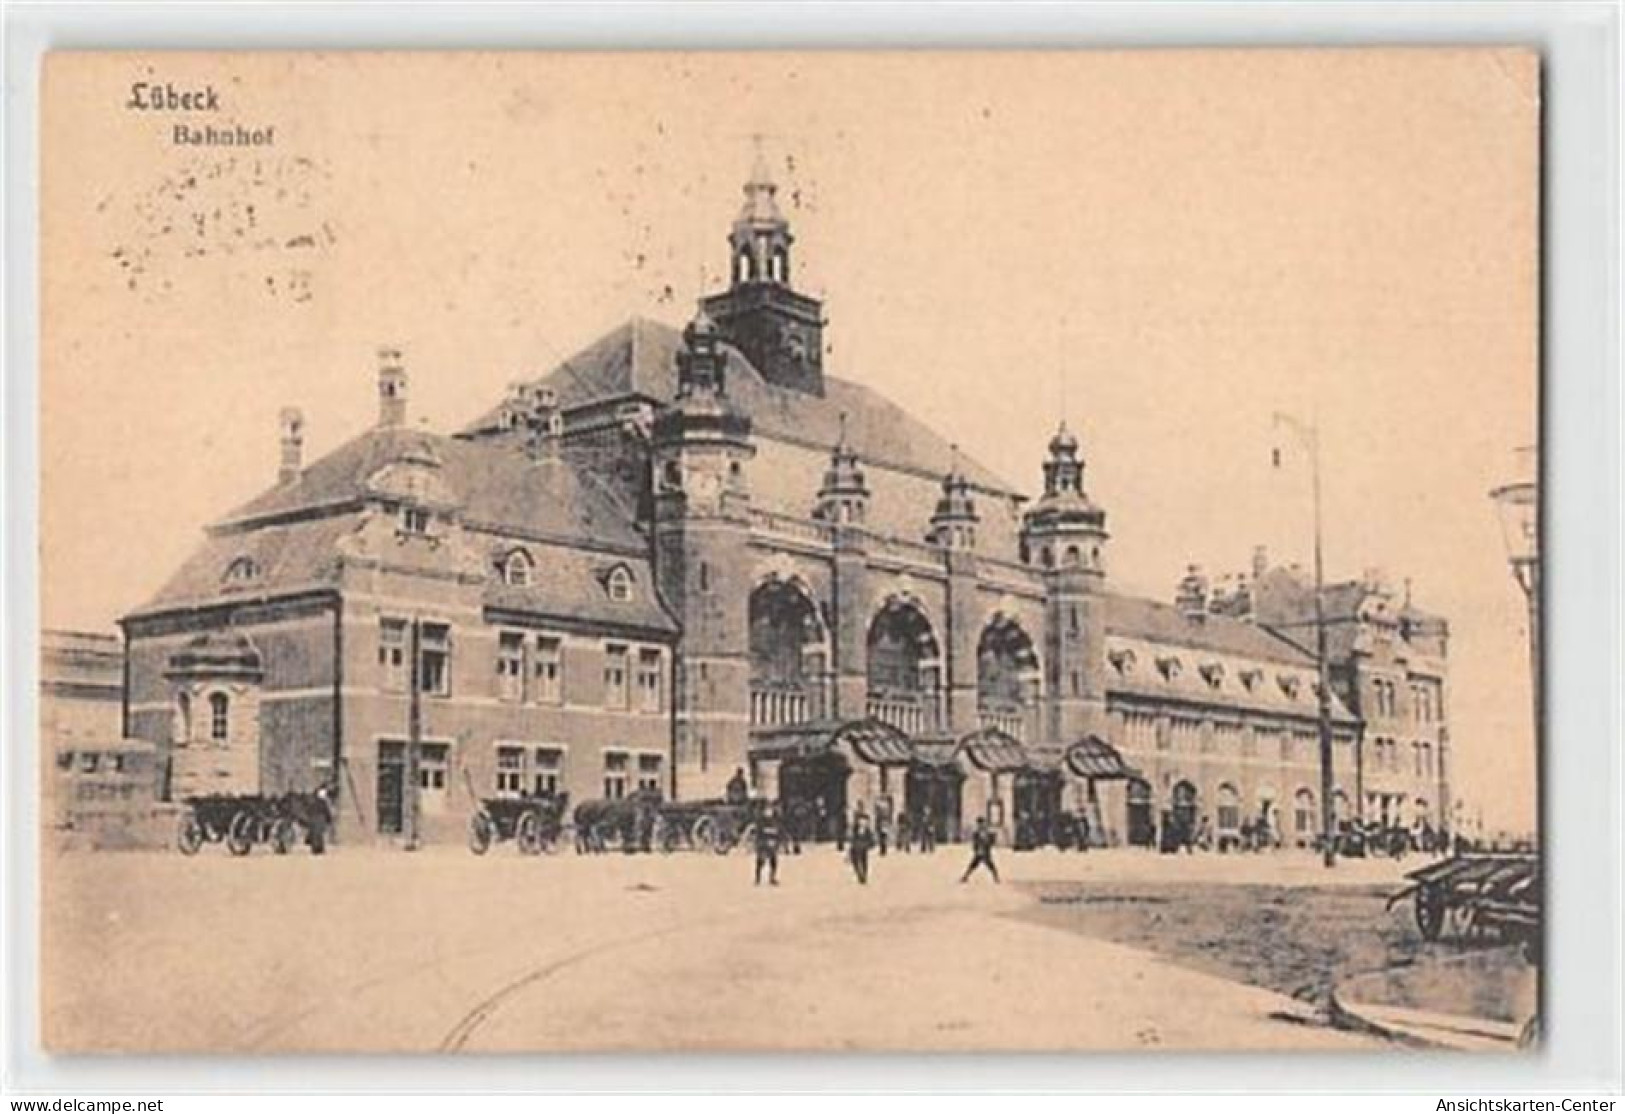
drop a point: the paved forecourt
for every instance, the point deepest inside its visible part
(377, 949)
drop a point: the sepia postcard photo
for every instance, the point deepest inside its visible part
(833, 551)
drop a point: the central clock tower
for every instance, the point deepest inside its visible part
(780, 331)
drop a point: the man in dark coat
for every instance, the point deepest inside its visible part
(767, 845)
(981, 842)
(738, 788)
(861, 839)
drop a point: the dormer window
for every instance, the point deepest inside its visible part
(242, 570)
(1289, 685)
(415, 521)
(1169, 666)
(619, 584)
(1213, 673)
(1122, 661)
(1250, 677)
(518, 569)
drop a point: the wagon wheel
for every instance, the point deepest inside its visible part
(284, 834)
(1430, 911)
(703, 834)
(480, 834)
(189, 834)
(548, 839)
(669, 836)
(241, 834)
(528, 834)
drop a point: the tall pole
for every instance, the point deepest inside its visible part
(1328, 816)
(1309, 433)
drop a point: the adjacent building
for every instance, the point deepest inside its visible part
(683, 554)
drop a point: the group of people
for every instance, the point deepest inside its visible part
(862, 837)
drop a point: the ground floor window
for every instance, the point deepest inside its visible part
(617, 768)
(1303, 813)
(649, 766)
(510, 771)
(548, 771)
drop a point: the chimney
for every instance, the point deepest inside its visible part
(1261, 562)
(1191, 596)
(292, 423)
(391, 389)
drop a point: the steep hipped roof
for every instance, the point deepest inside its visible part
(287, 557)
(572, 586)
(1154, 621)
(290, 538)
(1163, 626)
(639, 358)
(496, 485)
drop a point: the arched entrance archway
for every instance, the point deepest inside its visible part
(1007, 677)
(904, 668)
(789, 655)
(1180, 822)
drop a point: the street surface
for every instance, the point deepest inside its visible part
(379, 950)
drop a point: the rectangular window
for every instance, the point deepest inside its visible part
(510, 665)
(414, 520)
(434, 764)
(548, 773)
(649, 686)
(392, 654)
(548, 668)
(615, 677)
(617, 767)
(510, 771)
(649, 772)
(434, 659)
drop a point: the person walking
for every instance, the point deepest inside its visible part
(861, 838)
(927, 831)
(883, 827)
(981, 842)
(767, 845)
(905, 832)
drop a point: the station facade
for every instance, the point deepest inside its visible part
(686, 554)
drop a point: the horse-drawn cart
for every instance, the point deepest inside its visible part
(713, 825)
(243, 821)
(1489, 897)
(535, 824)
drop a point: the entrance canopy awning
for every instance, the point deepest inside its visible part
(1094, 758)
(869, 740)
(994, 752)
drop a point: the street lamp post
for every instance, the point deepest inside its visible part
(1309, 434)
(1518, 503)
(1519, 506)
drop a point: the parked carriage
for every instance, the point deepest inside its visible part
(1494, 897)
(243, 821)
(535, 824)
(711, 825)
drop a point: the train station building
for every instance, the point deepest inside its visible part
(689, 552)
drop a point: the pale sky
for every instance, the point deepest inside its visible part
(1165, 247)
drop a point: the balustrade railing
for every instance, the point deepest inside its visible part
(1010, 719)
(912, 715)
(774, 706)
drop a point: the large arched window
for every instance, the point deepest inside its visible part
(1228, 811)
(788, 654)
(902, 650)
(219, 717)
(1007, 676)
(904, 668)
